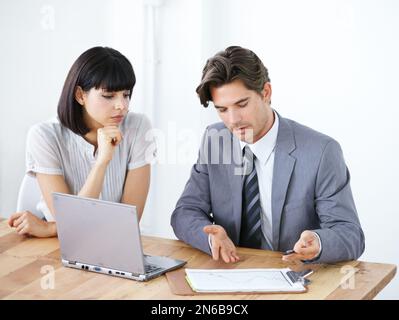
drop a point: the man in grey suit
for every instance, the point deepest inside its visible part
(261, 180)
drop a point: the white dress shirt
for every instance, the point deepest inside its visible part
(264, 150)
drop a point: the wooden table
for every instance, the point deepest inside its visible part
(25, 263)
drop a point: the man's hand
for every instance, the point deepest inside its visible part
(222, 246)
(306, 248)
(26, 223)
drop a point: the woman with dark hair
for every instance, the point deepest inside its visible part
(94, 148)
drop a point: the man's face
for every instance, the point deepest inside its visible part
(246, 113)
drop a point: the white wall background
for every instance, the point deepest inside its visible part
(333, 66)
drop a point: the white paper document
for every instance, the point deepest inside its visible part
(243, 280)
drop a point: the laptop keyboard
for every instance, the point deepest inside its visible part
(149, 268)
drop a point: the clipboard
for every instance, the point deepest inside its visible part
(179, 285)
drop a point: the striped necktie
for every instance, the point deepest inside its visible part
(251, 232)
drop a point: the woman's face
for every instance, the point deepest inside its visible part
(103, 108)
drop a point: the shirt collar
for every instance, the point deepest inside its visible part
(263, 148)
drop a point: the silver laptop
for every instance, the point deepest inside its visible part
(104, 237)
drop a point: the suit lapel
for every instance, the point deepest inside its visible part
(283, 166)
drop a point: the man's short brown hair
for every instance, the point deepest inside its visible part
(231, 64)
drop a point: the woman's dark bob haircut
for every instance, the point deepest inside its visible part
(98, 67)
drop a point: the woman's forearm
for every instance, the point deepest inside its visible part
(94, 182)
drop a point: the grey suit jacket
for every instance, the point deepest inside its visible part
(310, 191)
